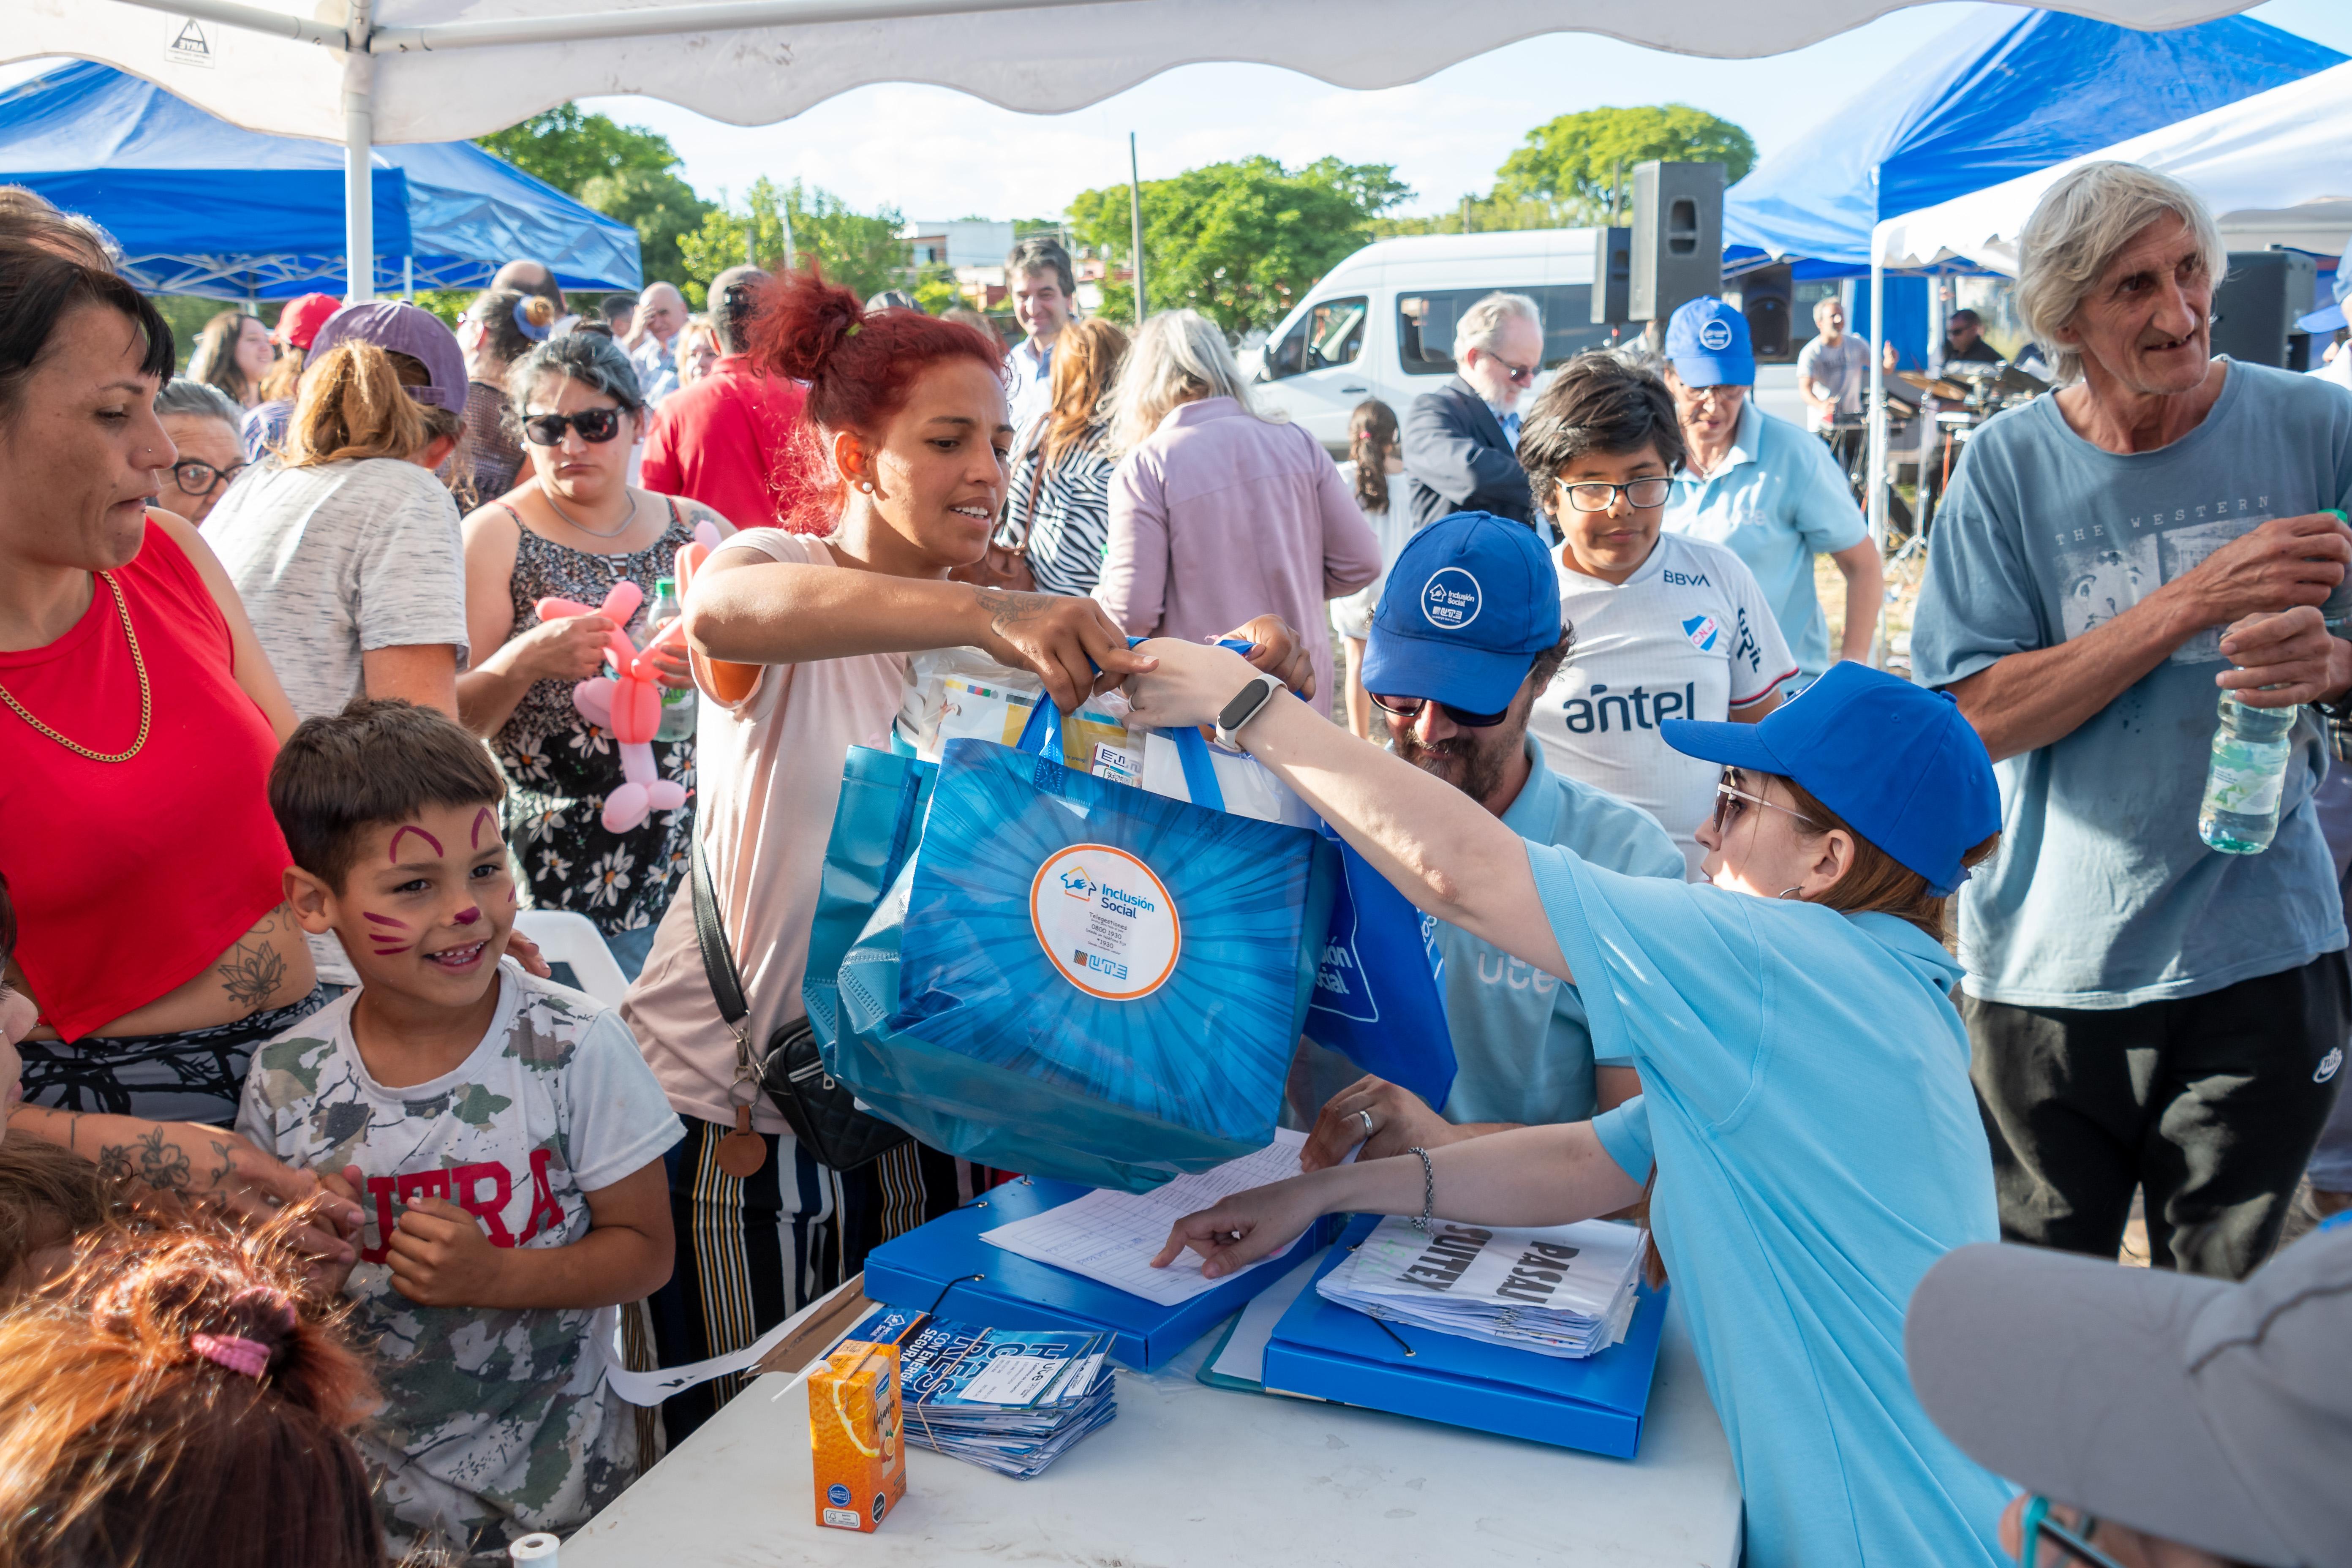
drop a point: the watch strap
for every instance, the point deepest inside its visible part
(1246, 704)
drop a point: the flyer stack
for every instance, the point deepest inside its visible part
(1563, 1290)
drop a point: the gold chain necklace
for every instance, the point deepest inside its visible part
(146, 693)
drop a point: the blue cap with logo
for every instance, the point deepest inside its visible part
(1471, 601)
(1707, 342)
(1897, 762)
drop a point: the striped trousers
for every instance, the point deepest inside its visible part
(751, 1253)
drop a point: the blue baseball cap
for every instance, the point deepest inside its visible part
(1897, 762)
(1471, 601)
(1707, 344)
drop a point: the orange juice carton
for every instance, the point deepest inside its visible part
(854, 1437)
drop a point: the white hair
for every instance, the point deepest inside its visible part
(1179, 357)
(1482, 321)
(1823, 306)
(2079, 228)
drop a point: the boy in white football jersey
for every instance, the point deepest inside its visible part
(1667, 627)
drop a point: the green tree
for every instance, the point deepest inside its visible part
(861, 251)
(1575, 161)
(625, 171)
(1239, 242)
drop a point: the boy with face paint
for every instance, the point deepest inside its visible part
(501, 1133)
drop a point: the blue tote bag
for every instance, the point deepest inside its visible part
(1077, 978)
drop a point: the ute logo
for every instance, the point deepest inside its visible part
(1076, 884)
(1702, 630)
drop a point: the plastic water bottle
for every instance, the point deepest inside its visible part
(677, 703)
(2246, 778)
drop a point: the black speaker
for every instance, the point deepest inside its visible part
(2256, 305)
(1678, 236)
(1612, 275)
(1767, 297)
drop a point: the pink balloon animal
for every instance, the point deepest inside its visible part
(626, 704)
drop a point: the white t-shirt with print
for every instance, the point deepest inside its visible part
(1688, 635)
(495, 1422)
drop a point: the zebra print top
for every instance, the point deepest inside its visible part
(1070, 529)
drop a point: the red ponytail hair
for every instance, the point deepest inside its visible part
(859, 368)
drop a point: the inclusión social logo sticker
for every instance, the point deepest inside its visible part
(1714, 337)
(1702, 630)
(1106, 923)
(1449, 599)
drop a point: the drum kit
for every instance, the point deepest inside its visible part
(1965, 395)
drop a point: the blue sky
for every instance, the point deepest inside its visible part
(935, 154)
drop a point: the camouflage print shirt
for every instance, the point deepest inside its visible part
(496, 1423)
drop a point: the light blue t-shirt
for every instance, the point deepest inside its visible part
(2103, 896)
(1521, 1042)
(1806, 1098)
(1778, 500)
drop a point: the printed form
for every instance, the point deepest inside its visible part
(1112, 1237)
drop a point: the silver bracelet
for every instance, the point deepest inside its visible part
(1428, 1189)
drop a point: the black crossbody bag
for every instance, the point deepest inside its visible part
(819, 1108)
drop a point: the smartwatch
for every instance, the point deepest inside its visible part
(1247, 703)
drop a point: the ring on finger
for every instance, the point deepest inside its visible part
(1366, 1118)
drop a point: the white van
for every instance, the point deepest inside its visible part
(1380, 324)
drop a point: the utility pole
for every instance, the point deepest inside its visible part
(792, 255)
(1465, 215)
(1135, 219)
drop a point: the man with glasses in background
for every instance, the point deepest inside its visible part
(1760, 484)
(1462, 646)
(1461, 441)
(202, 421)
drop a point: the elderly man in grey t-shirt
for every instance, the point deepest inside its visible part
(2146, 1012)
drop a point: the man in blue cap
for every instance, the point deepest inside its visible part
(1762, 486)
(1467, 637)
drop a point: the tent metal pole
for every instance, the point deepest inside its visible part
(727, 16)
(1876, 446)
(254, 18)
(358, 160)
(1135, 219)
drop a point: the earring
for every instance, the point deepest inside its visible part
(865, 485)
(1791, 893)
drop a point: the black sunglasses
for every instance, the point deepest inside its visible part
(596, 425)
(197, 478)
(1411, 707)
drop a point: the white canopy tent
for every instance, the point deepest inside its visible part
(2273, 169)
(435, 70)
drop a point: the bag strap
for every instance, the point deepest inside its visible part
(1200, 770)
(718, 961)
(1043, 732)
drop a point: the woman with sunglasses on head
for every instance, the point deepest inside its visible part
(572, 529)
(202, 421)
(1667, 627)
(1805, 1102)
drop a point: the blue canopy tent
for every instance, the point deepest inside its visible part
(202, 208)
(2002, 94)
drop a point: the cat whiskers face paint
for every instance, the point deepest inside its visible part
(386, 944)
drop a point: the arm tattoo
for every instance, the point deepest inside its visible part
(252, 971)
(1006, 611)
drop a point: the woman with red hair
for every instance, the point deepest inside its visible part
(800, 641)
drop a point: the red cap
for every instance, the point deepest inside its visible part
(301, 321)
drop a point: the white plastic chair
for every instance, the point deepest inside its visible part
(566, 937)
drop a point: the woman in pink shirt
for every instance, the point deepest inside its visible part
(1216, 513)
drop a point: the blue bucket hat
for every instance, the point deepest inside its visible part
(1897, 762)
(1472, 600)
(1708, 343)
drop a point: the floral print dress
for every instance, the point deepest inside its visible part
(560, 767)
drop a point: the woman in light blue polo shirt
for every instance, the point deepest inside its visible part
(1806, 1096)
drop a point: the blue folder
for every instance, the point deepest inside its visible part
(1325, 1350)
(945, 1267)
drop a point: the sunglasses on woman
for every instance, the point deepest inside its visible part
(594, 425)
(1411, 707)
(1731, 802)
(197, 478)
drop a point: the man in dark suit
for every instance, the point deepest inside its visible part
(1461, 442)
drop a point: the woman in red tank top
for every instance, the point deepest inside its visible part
(137, 720)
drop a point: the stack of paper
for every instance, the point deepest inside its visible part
(1009, 1399)
(1565, 1290)
(1112, 1237)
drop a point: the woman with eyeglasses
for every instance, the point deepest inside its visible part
(1806, 1131)
(202, 421)
(570, 529)
(1667, 627)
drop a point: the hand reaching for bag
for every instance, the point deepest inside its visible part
(1072, 644)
